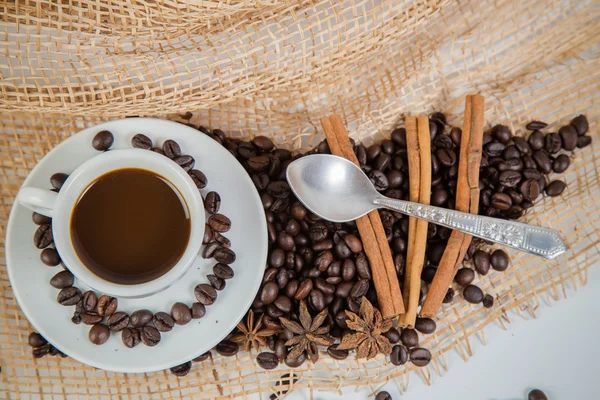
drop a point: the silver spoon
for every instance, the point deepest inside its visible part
(337, 190)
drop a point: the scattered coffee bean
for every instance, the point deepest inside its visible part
(473, 294)
(399, 355)
(425, 325)
(337, 354)
(449, 296)
(295, 362)
(202, 357)
(40, 219)
(205, 294)
(208, 237)
(50, 257)
(140, 141)
(36, 340)
(69, 296)
(106, 306)
(552, 143)
(561, 163)
(223, 271)
(584, 141)
(224, 256)
(227, 348)
(57, 180)
(409, 337)
(267, 360)
(41, 351)
(263, 143)
(89, 301)
(464, 276)
(102, 141)
(163, 321)
(99, 334)
(198, 177)
(198, 310)
(216, 282)
(555, 188)
(181, 370)
(186, 162)
(62, 280)
(150, 335)
(537, 394)
(481, 261)
(499, 260)
(118, 321)
(181, 313)
(568, 136)
(90, 318)
(535, 125)
(212, 202)
(383, 396)
(501, 133)
(210, 249)
(501, 201)
(171, 149)
(420, 357)
(488, 301)
(43, 236)
(392, 335)
(140, 318)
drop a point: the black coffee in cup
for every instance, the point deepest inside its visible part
(130, 226)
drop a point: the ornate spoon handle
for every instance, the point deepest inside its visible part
(532, 239)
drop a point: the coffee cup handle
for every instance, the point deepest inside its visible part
(39, 200)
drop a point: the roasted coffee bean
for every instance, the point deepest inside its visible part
(464, 276)
(227, 348)
(43, 236)
(322, 245)
(353, 305)
(353, 243)
(222, 240)
(499, 260)
(537, 394)
(285, 241)
(536, 140)
(488, 301)
(181, 313)
(509, 178)
(260, 180)
(298, 211)
(399, 137)
(425, 325)
(171, 149)
(501, 133)
(219, 223)
(278, 189)
(512, 164)
(455, 135)
(41, 351)
(69, 296)
(89, 301)
(206, 294)
(580, 123)
(341, 250)
(99, 334)
(246, 150)
(140, 318)
(392, 335)
(473, 294)
(409, 337)
(267, 360)
(277, 258)
(530, 189)
(40, 219)
(439, 197)
(202, 357)
(337, 354)
(555, 188)
(481, 261)
(36, 340)
(500, 201)
(62, 280)
(324, 287)
(292, 227)
(568, 137)
(522, 145)
(187, 163)
(106, 306)
(428, 273)
(323, 260)
(140, 141)
(494, 149)
(343, 289)
(163, 321)
(198, 310)
(295, 362)
(395, 179)
(269, 293)
(292, 288)
(447, 157)
(283, 303)
(362, 266)
(420, 357)
(449, 296)
(102, 141)
(378, 179)
(561, 163)
(150, 335)
(399, 355)
(360, 288)
(118, 321)
(225, 255)
(58, 179)
(388, 146)
(584, 141)
(373, 152)
(263, 143)
(317, 300)
(515, 196)
(280, 349)
(208, 235)
(382, 162)
(181, 370)
(543, 161)
(529, 163)
(303, 290)
(50, 257)
(552, 143)
(535, 125)
(443, 142)
(259, 163)
(197, 176)
(223, 271)
(216, 282)
(348, 270)
(158, 150)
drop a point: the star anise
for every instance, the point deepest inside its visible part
(251, 334)
(308, 334)
(368, 328)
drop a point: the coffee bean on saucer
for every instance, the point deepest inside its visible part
(171, 149)
(425, 325)
(103, 140)
(99, 334)
(337, 354)
(69, 296)
(50, 257)
(118, 321)
(36, 340)
(409, 337)
(186, 162)
(209, 249)
(473, 294)
(216, 282)
(58, 179)
(208, 234)
(555, 188)
(488, 301)
(131, 337)
(140, 318)
(163, 321)
(222, 240)
(90, 318)
(499, 260)
(481, 261)
(202, 357)
(140, 141)
(89, 301)
(150, 336)
(219, 222)
(399, 355)
(181, 313)
(537, 394)
(223, 271)
(224, 255)
(181, 370)
(198, 310)
(227, 348)
(205, 294)
(40, 219)
(199, 178)
(43, 236)
(420, 357)
(41, 351)
(383, 395)
(212, 202)
(267, 360)
(158, 150)
(106, 306)
(464, 276)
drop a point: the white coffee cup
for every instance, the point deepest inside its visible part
(60, 206)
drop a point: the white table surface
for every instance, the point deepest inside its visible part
(547, 353)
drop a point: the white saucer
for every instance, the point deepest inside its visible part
(30, 278)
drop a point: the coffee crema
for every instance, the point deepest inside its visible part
(130, 226)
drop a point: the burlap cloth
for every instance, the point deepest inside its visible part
(275, 68)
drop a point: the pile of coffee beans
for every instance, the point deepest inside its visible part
(41, 347)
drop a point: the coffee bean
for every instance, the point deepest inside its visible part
(488, 301)
(263, 143)
(106, 306)
(399, 355)
(522, 145)
(555, 188)
(383, 396)
(198, 310)
(267, 360)
(580, 123)
(140, 141)
(89, 301)
(43, 236)
(62, 280)
(529, 163)
(323, 260)
(202, 357)
(223, 271)
(181, 370)
(543, 161)
(500, 201)
(360, 288)
(535, 125)
(259, 163)
(216, 282)
(449, 296)
(208, 236)
(57, 180)
(36, 340)
(324, 287)
(227, 348)
(198, 177)
(50, 257)
(222, 240)
(481, 261)
(537, 394)
(499, 260)
(181, 313)
(568, 136)
(40, 219)
(260, 180)
(99, 334)
(501, 133)
(509, 178)
(304, 290)
(473, 294)
(285, 241)
(382, 163)
(317, 300)
(530, 189)
(186, 162)
(494, 149)
(584, 141)
(561, 163)
(295, 362)
(512, 164)
(278, 189)
(420, 357)
(425, 325)
(373, 152)
(348, 270)
(337, 354)
(464, 276)
(205, 294)
(447, 157)
(536, 140)
(140, 318)
(362, 266)
(163, 321)
(103, 140)
(399, 137)
(41, 351)
(353, 243)
(409, 337)
(90, 318)
(552, 143)
(378, 179)
(225, 256)
(150, 335)
(395, 179)
(118, 321)
(171, 149)
(69, 296)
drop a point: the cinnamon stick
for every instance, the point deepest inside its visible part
(467, 199)
(419, 169)
(370, 228)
